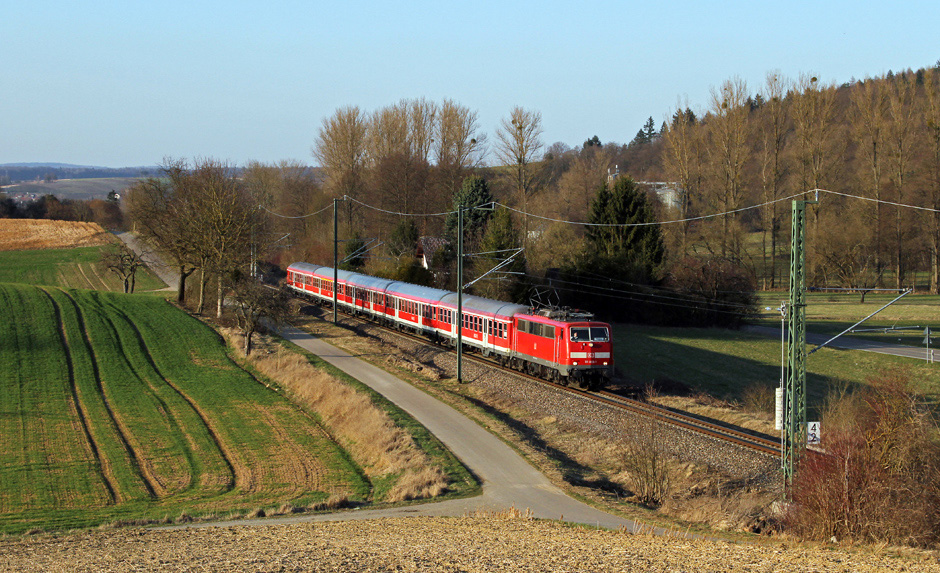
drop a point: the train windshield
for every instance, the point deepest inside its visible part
(599, 334)
(592, 334)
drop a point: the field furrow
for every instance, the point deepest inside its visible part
(106, 428)
(144, 420)
(79, 409)
(45, 459)
(211, 470)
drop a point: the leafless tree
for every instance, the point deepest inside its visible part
(159, 208)
(422, 119)
(901, 111)
(123, 262)
(815, 127)
(341, 149)
(869, 116)
(519, 142)
(682, 160)
(772, 132)
(224, 216)
(932, 125)
(252, 302)
(579, 184)
(728, 152)
(458, 145)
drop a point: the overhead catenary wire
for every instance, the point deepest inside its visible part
(615, 225)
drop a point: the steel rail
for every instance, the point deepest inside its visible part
(685, 421)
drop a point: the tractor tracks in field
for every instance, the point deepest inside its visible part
(121, 431)
(229, 481)
(102, 464)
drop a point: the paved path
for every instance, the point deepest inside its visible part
(166, 273)
(849, 343)
(508, 480)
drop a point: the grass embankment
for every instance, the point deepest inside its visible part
(122, 408)
(402, 460)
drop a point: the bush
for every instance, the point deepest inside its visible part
(647, 465)
(879, 479)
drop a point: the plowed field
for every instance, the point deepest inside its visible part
(24, 234)
(429, 544)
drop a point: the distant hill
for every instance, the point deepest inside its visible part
(96, 188)
(22, 172)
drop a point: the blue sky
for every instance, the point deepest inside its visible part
(129, 82)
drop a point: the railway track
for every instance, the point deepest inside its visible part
(682, 420)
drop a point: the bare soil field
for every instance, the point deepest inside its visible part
(476, 543)
(28, 234)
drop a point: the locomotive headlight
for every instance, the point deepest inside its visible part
(575, 362)
(605, 364)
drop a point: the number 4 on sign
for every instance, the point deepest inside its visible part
(812, 433)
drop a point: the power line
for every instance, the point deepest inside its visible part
(380, 210)
(298, 216)
(877, 200)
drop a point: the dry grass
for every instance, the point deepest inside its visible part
(379, 446)
(29, 234)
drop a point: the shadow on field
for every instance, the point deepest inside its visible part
(732, 362)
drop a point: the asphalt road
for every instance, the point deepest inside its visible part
(166, 274)
(509, 482)
(849, 343)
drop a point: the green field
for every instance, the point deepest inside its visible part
(91, 188)
(121, 407)
(830, 313)
(724, 362)
(68, 268)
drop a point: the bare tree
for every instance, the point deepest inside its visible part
(682, 161)
(869, 115)
(387, 133)
(341, 150)
(772, 131)
(814, 125)
(224, 216)
(160, 210)
(932, 124)
(579, 183)
(253, 302)
(901, 138)
(458, 145)
(123, 262)
(519, 142)
(422, 119)
(727, 152)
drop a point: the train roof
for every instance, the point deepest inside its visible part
(417, 291)
(304, 267)
(368, 281)
(485, 305)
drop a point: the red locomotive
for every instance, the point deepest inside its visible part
(564, 346)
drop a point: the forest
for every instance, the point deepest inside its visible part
(718, 181)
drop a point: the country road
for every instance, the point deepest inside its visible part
(849, 343)
(509, 481)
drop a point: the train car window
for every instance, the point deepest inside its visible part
(580, 335)
(599, 334)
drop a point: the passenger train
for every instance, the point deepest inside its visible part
(567, 347)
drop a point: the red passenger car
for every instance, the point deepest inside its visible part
(566, 346)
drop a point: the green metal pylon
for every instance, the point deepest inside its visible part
(794, 411)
